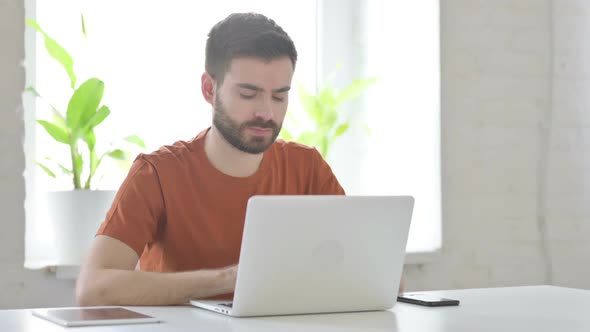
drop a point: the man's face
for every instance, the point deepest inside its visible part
(250, 104)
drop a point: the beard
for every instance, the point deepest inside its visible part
(234, 133)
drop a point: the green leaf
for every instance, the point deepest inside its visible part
(293, 119)
(58, 119)
(94, 161)
(56, 51)
(309, 138)
(64, 169)
(328, 121)
(84, 103)
(78, 164)
(324, 146)
(124, 165)
(354, 90)
(134, 139)
(97, 163)
(83, 26)
(98, 117)
(46, 169)
(341, 129)
(327, 97)
(55, 131)
(286, 135)
(310, 104)
(90, 140)
(33, 91)
(118, 154)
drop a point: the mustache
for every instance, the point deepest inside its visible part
(261, 123)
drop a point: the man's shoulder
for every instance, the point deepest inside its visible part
(178, 153)
(297, 156)
(289, 147)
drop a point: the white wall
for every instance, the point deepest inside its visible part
(568, 170)
(515, 145)
(18, 287)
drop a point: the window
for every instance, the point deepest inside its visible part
(150, 54)
(396, 42)
(403, 110)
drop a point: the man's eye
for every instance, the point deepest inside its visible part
(247, 96)
(278, 98)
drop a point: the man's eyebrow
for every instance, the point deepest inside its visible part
(283, 89)
(257, 88)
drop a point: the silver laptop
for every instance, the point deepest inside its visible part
(319, 254)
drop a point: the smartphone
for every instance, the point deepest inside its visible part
(427, 300)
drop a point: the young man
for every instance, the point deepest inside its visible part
(180, 211)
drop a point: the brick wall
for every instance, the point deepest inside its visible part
(515, 145)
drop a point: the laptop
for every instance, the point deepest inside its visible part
(319, 254)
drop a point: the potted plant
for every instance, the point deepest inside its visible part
(323, 109)
(76, 214)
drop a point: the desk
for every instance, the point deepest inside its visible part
(534, 308)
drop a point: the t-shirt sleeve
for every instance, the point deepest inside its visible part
(137, 208)
(327, 182)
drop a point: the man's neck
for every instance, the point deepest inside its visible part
(227, 159)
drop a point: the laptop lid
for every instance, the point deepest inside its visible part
(317, 254)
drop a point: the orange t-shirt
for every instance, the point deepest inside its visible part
(179, 213)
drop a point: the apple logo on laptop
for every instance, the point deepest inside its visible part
(327, 254)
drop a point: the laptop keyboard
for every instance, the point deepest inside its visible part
(229, 305)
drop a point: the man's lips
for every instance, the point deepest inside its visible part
(260, 131)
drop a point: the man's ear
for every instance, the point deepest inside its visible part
(208, 88)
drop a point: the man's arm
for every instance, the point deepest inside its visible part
(108, 278)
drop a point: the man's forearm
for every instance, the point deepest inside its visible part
(123, 287)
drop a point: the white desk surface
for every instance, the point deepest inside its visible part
(533, 308)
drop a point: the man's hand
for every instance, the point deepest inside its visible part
(229, 275)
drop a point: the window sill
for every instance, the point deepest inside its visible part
(413, 258)
(422, 257)
(68, 272)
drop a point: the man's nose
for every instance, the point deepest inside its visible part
(265, 109)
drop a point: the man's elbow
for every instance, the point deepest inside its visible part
(88, 293)
(85, 297)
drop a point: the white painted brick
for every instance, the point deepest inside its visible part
(508, 113)
(484, 181)
(568, 207)
(564, 230)
(571, 138)
(490, 233)
(516, 14)
(568, 181)
(571, 264)
(495, 88)
(573, 160)
(521, 274)
(34, 289)
(491, 206)
(573, 102)
(496, 95)
(470, 276)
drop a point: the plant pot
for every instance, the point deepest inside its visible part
(75, 216)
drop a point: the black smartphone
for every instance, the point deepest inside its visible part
(427, 300)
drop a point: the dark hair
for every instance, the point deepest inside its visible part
(245, 35)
